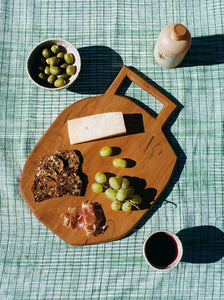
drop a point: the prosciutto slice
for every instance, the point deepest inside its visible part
(88, 217)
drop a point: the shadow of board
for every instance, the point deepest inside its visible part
(205, 50)
(150, 194)
(202, 244)
(99, 67)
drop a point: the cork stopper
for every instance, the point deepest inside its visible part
(179, 31)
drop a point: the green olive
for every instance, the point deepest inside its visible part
(42, 76)
(54, 60)
(69, 58)
(70, 70)
(55, 49)
(56, 65)
(59, 82)
(47, 70)
(46, 53)
(41, 68)
(60, 55)
(63, 75)
(54, 70)
(64, 65)
(43, 61)
(51, 79)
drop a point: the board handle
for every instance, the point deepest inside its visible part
(125, 72)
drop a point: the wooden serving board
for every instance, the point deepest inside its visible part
(151, 161)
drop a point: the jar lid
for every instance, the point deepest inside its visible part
(179, 31)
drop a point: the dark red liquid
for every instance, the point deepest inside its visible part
(161, 250)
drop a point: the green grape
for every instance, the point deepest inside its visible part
(119, 179)
(135, 199)
(113, 182)
(120, 163)
(130, 191)
(116, 205)
(97, 187)
(100, 177)
(126, 206)
(121, 194)
(111, 194)
(125, 183)
(106, 151)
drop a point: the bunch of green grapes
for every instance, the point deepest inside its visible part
(118, 190)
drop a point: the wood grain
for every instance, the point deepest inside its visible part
(150, 156)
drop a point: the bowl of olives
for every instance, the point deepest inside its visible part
(53, 64)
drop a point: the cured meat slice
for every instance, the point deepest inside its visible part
(70, 218)
(73, 218)
(88, 217)
(69, 183)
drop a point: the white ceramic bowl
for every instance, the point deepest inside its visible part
(32, 63)
(179, 250)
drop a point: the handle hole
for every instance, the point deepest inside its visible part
(140, 96)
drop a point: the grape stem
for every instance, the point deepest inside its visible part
(133, 205)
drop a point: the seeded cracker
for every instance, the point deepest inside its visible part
(70, 158)
(44, 188)
(57, 175)
(51, 166)
(69, 183)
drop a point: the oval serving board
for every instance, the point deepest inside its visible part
(151, 161)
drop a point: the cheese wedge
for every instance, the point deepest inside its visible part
(96, 127)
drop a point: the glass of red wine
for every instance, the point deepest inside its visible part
(162, 250)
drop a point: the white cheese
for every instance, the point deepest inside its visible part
(96, 127)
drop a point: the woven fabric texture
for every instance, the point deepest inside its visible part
(36, 264)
